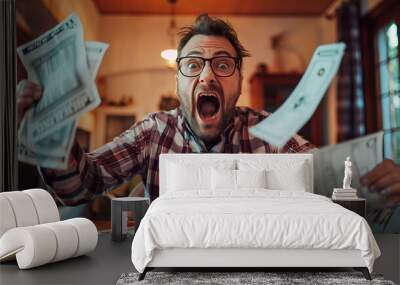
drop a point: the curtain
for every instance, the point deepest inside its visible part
(351, 107)
(8, 128)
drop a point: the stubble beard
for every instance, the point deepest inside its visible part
(189, 110)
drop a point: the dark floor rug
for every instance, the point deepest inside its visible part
(229, 278)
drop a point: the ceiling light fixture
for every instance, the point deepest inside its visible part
(170, 54)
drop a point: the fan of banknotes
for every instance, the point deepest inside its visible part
(66, 67)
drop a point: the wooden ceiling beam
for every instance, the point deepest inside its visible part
(221, 7)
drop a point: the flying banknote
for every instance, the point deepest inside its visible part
(280, 126)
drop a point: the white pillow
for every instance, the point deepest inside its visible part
(187, 177)
(201, 160)
(236, 179)
(251, 178)
(290, 179)
(281, 174)
(223, 179)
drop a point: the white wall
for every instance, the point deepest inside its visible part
(133, 65)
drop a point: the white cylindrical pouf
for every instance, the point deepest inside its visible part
(7, 218)
(87, 234)
(23, 208)
(45, 205)
(34, 245)
(67, 239)
(40, 244)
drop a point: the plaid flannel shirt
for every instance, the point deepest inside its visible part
(137, 150)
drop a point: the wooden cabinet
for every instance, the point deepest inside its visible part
(270, 90)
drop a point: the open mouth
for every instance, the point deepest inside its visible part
(208, 106)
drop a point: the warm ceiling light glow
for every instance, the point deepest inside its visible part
(170, 57)
(169, 54)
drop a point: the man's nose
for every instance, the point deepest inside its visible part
(207, 75)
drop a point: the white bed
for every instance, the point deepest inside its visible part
(202, 219)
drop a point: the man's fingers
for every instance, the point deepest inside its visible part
(27, 94)
(386, 180)
(392, 190)
(394, 197)
(27, 84)
(378, 172)
(24, 103)
(394, 200)
(35, 94)
(28, 88)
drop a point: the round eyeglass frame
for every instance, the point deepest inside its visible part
(236, 60)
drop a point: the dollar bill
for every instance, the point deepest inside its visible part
(57, 144)
(57, 61)
(49, 160)
(95, 52)
(280, 126)
(53, 151)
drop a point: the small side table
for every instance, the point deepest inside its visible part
(119, 214)
(358, 205)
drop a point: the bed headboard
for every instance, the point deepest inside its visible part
(214, 158)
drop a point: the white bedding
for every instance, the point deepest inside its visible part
(251, 218)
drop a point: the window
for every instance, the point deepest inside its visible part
(381, 59)
(387, 72)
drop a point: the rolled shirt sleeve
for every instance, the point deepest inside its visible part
(91, 174)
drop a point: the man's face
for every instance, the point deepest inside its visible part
(207, 100)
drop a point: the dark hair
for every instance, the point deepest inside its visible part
(206, 25)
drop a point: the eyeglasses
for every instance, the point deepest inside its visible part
(192, 66)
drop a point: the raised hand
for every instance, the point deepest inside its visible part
(28, 93)
(385, 180)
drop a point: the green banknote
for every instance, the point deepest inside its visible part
(26, 155)
(280, 126)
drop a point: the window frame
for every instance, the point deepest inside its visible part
(385, 13)
(8, 126)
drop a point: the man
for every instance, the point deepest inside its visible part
(209, 82)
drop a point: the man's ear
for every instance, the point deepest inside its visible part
(176, 84)
(240, 82)
(176, 89)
